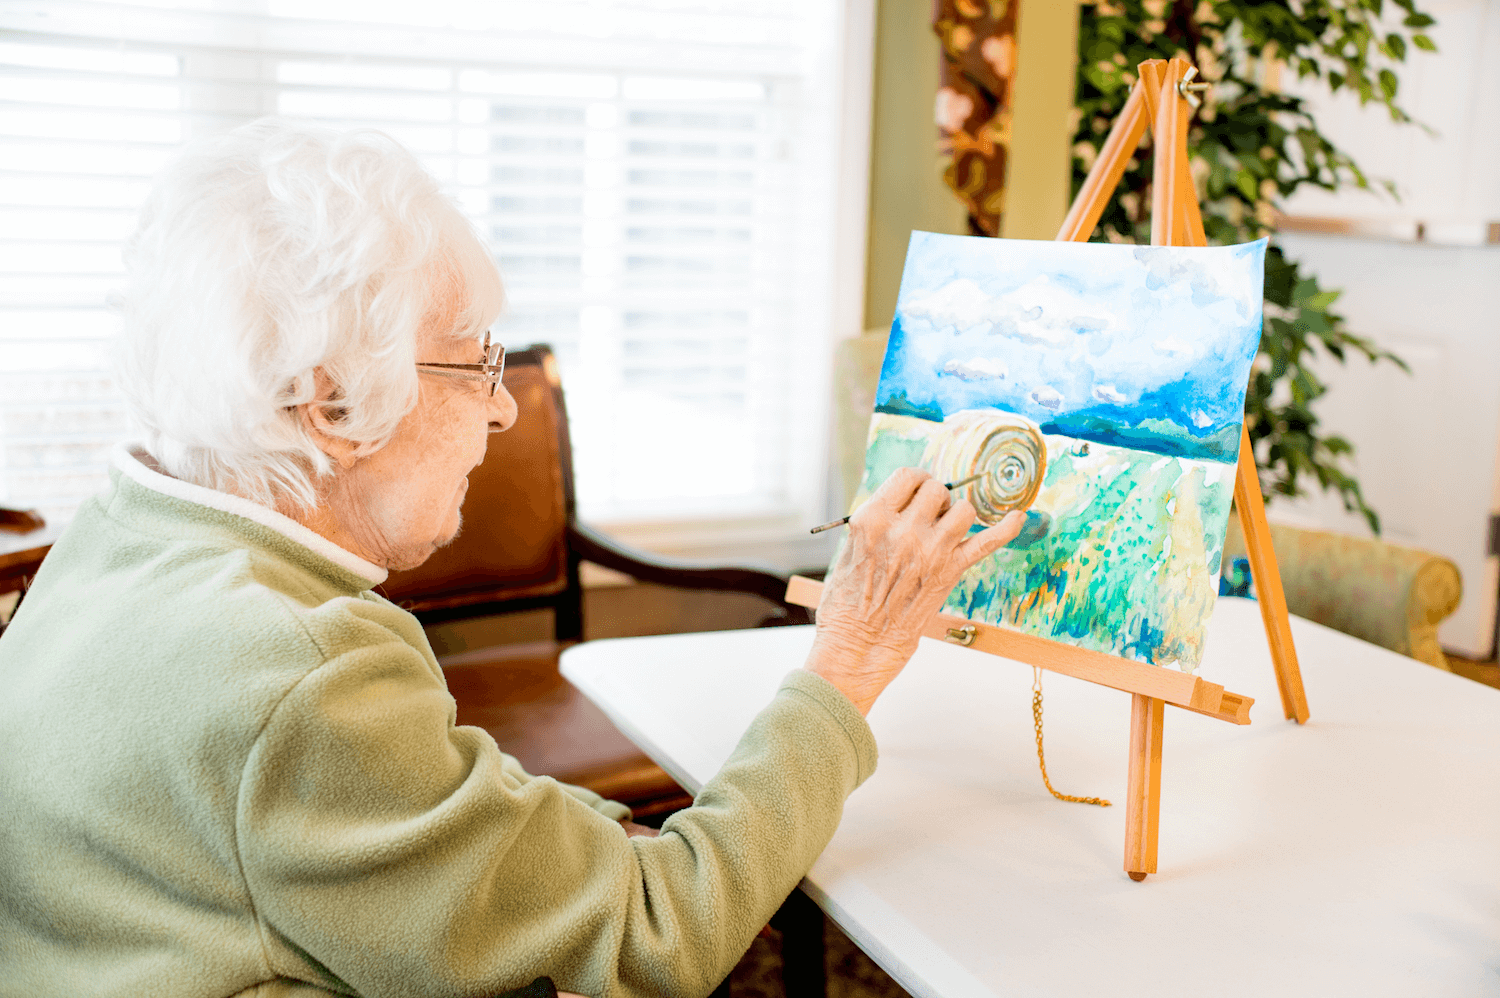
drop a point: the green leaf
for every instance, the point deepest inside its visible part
(1245, 181)
(1415, 20)
(1388, 84)
(1311, 321)
(1320, 39)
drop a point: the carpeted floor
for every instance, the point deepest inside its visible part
(851, 974)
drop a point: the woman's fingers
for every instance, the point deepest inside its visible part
(928, 504)
(956, 521)
(896, 492)
(989, 540)
(906, 548)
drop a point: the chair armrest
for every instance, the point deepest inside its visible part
(758, 580)
(20, 521)
(1383, 593)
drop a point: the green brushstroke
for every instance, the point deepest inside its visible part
(889, 450)
(1129, 562)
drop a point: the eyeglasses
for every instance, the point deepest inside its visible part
(490, 367)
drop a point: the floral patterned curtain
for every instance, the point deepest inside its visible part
(973, 107)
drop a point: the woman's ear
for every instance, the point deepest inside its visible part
(320, 419)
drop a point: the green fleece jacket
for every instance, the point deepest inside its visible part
(228, 768)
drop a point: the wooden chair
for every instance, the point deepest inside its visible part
(520, 549)
(25, 540)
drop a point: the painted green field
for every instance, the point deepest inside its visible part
(1120, 553)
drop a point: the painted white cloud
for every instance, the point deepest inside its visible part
(1108, 327)
(961, 303)
(1046, 312)
(1199, 276)
(1041, 312)
(1047, 397)
(1202, 419)
(976, 369)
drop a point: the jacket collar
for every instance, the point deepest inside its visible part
(141, 468)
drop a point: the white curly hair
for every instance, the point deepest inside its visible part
(268, 253)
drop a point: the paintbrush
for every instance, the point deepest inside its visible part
(950, 485)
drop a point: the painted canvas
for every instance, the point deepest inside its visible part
(1100, 388)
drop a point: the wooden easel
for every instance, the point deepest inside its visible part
(1160, 98)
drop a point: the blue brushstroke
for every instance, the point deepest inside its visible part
(1142, 347)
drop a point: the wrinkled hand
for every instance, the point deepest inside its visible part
(906, 549)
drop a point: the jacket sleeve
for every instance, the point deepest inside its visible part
(389, 852)
(611, 809)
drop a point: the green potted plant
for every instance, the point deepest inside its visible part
(1251, 146)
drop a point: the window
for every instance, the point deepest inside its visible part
(672, 190)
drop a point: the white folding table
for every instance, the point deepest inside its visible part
(1358, 854)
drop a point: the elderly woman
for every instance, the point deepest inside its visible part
(229, 767)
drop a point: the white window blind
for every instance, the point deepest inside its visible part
(658, 180)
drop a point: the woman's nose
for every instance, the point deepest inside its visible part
(502, 414)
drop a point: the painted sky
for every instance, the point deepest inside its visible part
(1060, 331)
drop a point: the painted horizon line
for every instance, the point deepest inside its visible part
(1155, 436)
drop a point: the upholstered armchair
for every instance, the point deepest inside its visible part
(1383, 593)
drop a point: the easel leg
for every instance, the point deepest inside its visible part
(1143, 797)
(1267, 576)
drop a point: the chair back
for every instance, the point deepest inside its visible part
(512, 553)
(520, 549)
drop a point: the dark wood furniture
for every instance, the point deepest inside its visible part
(21, 553)
(520, 549)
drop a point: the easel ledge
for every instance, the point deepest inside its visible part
(1177, 688)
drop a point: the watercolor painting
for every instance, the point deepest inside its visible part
(1100, 388)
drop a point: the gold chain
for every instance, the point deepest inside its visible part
(1041, 758)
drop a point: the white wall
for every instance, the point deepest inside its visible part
(1452, 175)
(1427, 444)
